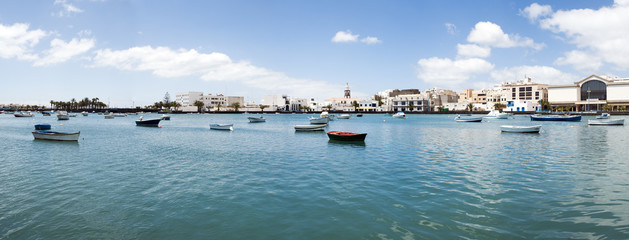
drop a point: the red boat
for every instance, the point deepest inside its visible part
(346, 136)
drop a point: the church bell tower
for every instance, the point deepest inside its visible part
(347, 94)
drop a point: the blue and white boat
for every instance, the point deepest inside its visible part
(603, 116)
(215, 126)
(399, 115)
(568, 118)
(319, 120)
(148, 123)
(42, 126)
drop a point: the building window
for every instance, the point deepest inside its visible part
(594, 90)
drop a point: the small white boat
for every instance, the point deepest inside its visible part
(256, 119)
(311, 127)
(607, 122)
(603, 116)
(497, 115)
(165, 117)
(63, 115)
(458, 118)
(229, 127)
(120, 115)
(23, 114)
(399, 115)
(324, 114)
(72, 114)
(109, 116)
(520, 129)
(56, 136)
(319, 120)
(84, 113)
(344, 116)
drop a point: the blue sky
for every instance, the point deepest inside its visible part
(133, 52)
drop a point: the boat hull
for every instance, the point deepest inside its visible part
(346, 136)
(603, 122)
(576, 118)
(308, 128)
(56, 136)
(63, 117)
(468, 119)
(344, 116)
(521, 129)
(148, 123)
(256, 120)
(322, 120)
(229, 127)
(43, 126)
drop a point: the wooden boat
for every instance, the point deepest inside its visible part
(42, 126)
(399, 115)
(603, 116)
(319, 120)
(147, 123)
(256, 119)
(56, 136)
(520, 129)
(165, 117)
(23, 114)
(63, 115)
(346, 136)
(458, 118)
(344, 116)
(570, 118)
(311, 127)
(229, 127)
(607, 122)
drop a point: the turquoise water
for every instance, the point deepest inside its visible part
(426, 177)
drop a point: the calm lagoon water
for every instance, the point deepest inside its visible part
(426, 177)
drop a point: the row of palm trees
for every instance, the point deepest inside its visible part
(85, 103)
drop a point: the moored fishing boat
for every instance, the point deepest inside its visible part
(147, 123)
(63, 115)
(311, 127)
(42, 126)
(458, 118)
(569, 118)
(346, 136)
(46, 113)
(56, 136)
(344, 116)
(497, 115)
(256, 119)
(607, 122)
(215, 126)
(603, 116)
(399, 115)
(84, 113)
(109, 116)
(520, 129)
(319, 120)
(23, 114)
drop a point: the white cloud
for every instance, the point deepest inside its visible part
(535, 11)
(68, 8)
(345, 36)
(371, 40)
(61, 51)
(446, 72)
(168, 63)
(581, 61)
(491, 35)
(539, 74)
(451, 28)
(601, 35)
(472, 50)
(16, 41)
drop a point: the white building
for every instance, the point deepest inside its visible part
(411, 103)
(523, 95)
(216, 102)
(591, 93)
(277, 102)
(188, 98)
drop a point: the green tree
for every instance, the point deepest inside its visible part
(199, 105)
(544, 103)
(262, 107)
(218, 107)
(236, 106)
(175, 105)
(411, 106)
(470, 107)
(499, 106)
(166, 100)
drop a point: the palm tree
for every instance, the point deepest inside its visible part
(411, 106)
(218, 107)
(499, 106)
(199, 105)
(545, 104)
(470, 107)
(51, 103)
(236, 106)
(175, 105)
(262, 107)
